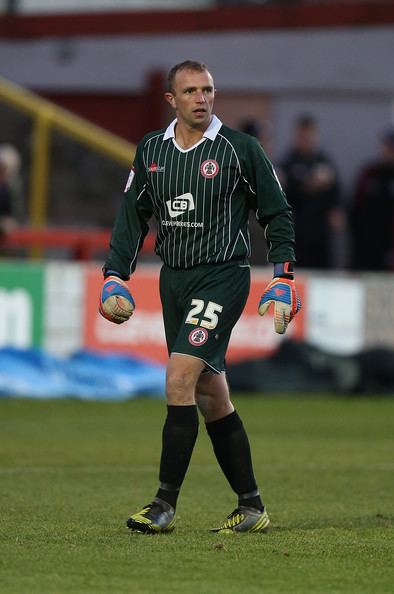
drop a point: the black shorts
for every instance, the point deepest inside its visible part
(201, 306)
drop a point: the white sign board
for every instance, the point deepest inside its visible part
(335, 315)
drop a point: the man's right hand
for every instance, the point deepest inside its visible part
(116, 303)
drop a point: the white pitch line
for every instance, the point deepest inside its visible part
(90, 469)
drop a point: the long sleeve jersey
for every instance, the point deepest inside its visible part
(201, 198)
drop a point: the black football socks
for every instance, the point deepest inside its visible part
(231, 446)
(179, 436)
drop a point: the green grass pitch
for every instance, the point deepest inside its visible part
(71, 472)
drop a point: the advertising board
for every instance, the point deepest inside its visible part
(143, 335)
(21, 304)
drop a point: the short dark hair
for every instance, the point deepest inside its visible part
(186, 65)
(306, 120)
(387, 137)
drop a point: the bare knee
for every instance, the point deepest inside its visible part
(182, 376)
(179, 388)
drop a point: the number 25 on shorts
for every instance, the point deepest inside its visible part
(208, 319)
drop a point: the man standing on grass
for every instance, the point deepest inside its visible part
(199, 179)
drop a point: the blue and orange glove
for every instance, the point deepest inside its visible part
(283, 294)
(116, 303)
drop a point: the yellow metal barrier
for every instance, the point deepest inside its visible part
(47, 116)
(39, 171)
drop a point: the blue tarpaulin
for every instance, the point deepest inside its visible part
(34, 373)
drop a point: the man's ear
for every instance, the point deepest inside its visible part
(170, 98)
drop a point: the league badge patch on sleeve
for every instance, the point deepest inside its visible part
(129, 180)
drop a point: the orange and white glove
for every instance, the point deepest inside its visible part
(282, 293)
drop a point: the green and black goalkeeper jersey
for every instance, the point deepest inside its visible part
(201, 199)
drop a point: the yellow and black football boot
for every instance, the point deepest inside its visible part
(245, 519)
(154, 518)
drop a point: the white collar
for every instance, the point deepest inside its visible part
(211, 132)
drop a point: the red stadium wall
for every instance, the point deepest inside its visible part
(123, 115)
(128, 116)
(132, 115)
(216, 19)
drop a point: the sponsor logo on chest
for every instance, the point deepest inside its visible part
(155, 168)
(180, 204)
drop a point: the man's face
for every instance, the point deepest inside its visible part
(3, 172)
(387, 153)
(306, 138)
(192, 98)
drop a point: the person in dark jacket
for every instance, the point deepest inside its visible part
(310, 181)
(372, 210)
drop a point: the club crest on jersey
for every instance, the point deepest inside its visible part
(198, 336)
(155, 168)
(180, 204)
(209, 168)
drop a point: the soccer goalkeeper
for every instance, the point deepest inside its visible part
(199, 179)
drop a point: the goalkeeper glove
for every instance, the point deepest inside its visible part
(116, 303)
(282, 292)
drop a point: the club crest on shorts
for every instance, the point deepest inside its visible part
(198, 336)
(209, 168)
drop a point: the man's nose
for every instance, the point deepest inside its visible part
(200, 97)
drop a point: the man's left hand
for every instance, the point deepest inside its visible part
(283, 294)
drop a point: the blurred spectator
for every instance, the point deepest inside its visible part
(10, 188)
(372, 211)
(261, 131)
(252, 127)
(259, 2)
(310, 181)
